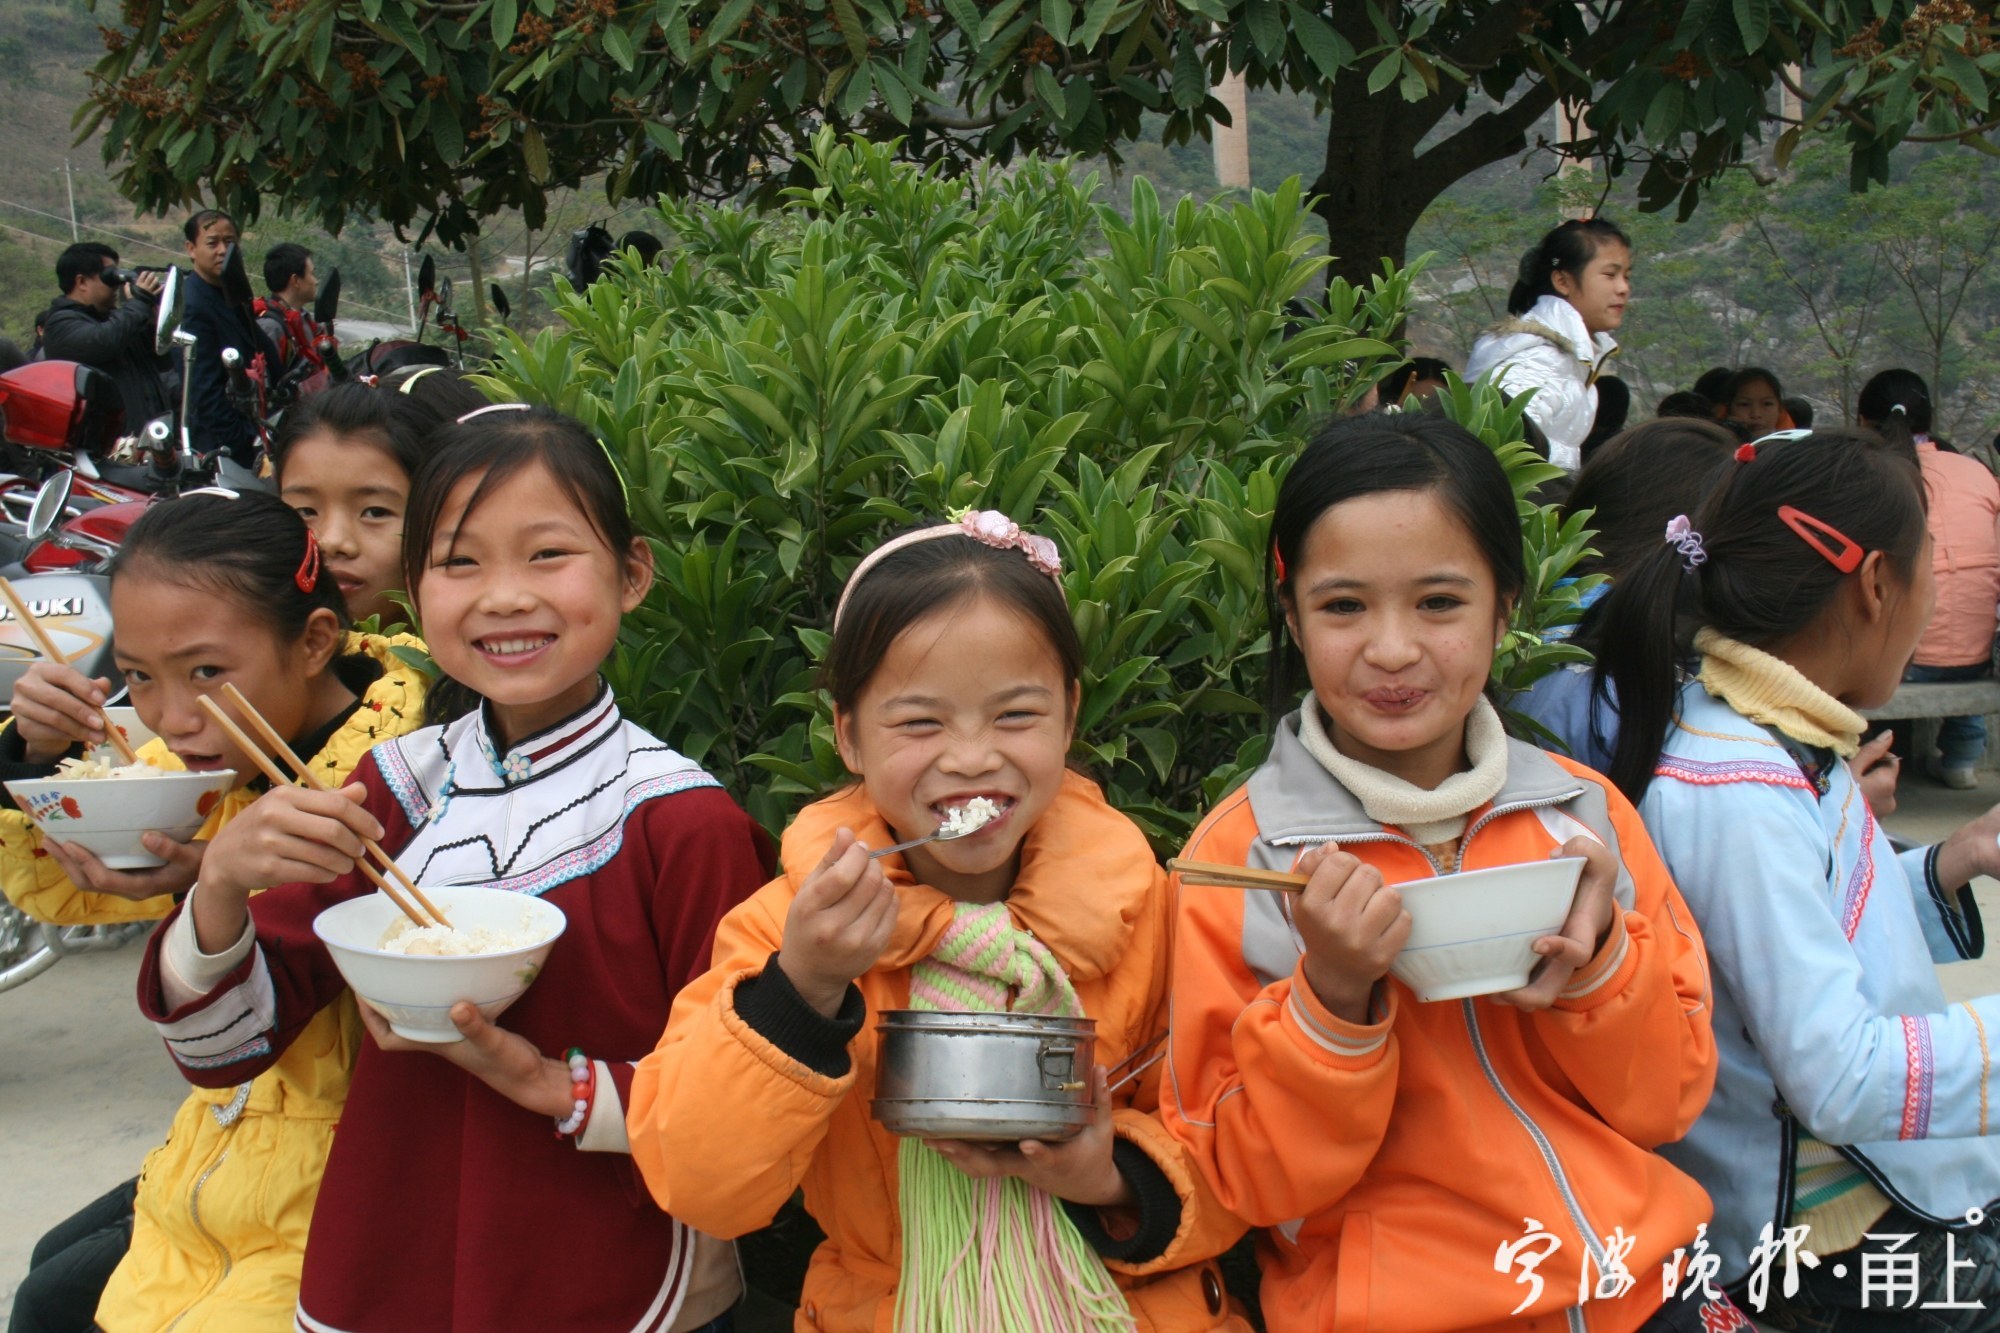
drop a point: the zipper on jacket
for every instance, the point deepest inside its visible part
(194, 1211)
(1591, 1241)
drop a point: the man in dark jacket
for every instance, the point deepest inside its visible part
(216, 324)
(89, 324)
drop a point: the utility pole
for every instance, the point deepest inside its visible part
(410, 291)
(70, 185)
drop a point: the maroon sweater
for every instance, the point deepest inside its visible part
(446, 1206)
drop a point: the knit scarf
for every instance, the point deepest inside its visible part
(993, 1254)
(1431, 816)
(1773, 692)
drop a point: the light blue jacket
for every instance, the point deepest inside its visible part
(1828, 1012)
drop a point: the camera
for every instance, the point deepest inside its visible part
(115, 276)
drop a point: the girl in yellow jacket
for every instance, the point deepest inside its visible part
(1475, 1164)
(953, 671)
(208, 590)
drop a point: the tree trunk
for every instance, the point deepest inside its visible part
(480, 317)
(1376, 183)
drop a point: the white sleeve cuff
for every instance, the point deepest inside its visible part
(186, 973)
(605, 1131)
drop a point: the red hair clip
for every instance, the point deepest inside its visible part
(1847, 559)
(308, 576)
(1746, 453)
(1278, 561)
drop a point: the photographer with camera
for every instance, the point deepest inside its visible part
(90, 324)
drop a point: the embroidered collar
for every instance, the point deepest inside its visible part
(545, 750)
(551, 809)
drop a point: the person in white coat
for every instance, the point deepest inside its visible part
(1567, 300)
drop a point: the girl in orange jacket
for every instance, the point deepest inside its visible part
(1465, 1165)
(953, 671)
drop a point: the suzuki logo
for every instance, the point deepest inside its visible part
(43, 610)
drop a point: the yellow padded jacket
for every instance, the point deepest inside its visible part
(225, 1202)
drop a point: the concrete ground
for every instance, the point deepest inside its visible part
(86, 1090)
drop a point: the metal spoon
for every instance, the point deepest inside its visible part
(945, 833)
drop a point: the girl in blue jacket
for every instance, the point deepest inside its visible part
(1853, 1105)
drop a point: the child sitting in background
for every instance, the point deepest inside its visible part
(1964, 515)
(344, 459)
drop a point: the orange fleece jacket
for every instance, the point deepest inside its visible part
(1392, 1161)
(724, 1125)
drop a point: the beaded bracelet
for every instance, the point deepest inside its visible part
(582, 1088)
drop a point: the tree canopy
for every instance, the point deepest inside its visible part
(435, 113)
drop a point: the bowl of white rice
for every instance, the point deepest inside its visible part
(106, 807)
(489, 955)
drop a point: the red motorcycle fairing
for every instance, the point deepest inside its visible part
(108, 524)
(59, 405)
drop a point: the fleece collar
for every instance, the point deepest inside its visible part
(1296, 800)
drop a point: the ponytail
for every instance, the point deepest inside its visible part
(1759, 582)
(1567, 249)
(1897, 403)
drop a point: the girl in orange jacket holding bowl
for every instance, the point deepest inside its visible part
(1458, 1164)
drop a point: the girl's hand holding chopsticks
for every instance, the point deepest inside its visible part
(288, 835)
(57, 708)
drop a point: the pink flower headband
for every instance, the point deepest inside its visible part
(988, 527)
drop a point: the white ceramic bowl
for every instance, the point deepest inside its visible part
(415, 992)
(126, 719)
(1474, 933)
(109, 815)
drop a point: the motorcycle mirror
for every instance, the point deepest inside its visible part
(501, 304)
(327, 304)
(50, 502)
(445, 290)
(167, 313)
(427, 276)
(236, 279)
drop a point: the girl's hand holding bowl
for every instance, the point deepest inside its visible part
(178, 875)
(1353, 926)
(1590, 919)
(55, 709)
(504, 1061)
(1078, 1169)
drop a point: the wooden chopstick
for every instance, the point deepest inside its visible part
(283, 750)
(1235, 877)
(45, 642)
(278, 779)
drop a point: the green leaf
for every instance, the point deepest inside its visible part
(1753, 22)
(534, 152)
(851, 30)
(1190, 85)
(663, 138)
(1097, 15)
(1385, 72)
(1267, 28)
(1056, 18)
(1329, 52)
(618, 45)
(504, 16)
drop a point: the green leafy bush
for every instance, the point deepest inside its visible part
(892, 344)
